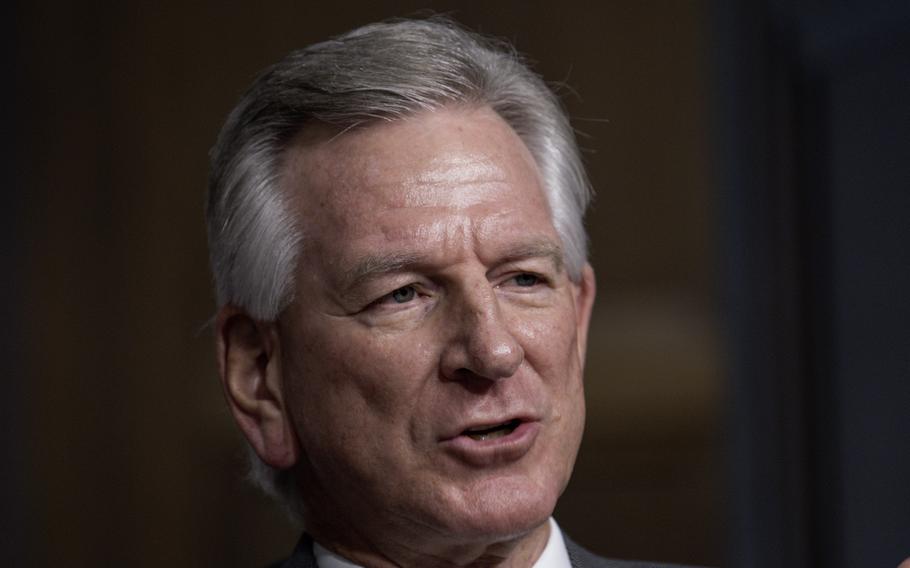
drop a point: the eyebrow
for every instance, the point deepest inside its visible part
(374, 265)
(536, 249)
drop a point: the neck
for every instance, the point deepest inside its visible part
(389, 550)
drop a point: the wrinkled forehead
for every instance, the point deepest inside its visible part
(452, 158)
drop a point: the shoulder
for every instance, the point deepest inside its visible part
(582, 558)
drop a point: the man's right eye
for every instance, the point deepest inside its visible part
(403, 295)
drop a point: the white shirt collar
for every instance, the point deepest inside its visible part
(554, 555)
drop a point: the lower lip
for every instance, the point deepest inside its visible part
(494, 451)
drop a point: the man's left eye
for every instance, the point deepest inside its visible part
(526, 280)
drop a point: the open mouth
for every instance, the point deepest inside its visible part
(492, 432)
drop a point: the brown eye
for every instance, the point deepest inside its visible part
(403, 295)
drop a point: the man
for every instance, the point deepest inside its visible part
(395, 220)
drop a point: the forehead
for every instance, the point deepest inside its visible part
(404, 176)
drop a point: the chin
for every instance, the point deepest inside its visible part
(501, 509)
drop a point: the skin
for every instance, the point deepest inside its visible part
(430, 297)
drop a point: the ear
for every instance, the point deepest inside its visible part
(585, 291)
(249, 362)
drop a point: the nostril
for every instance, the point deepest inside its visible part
(472, 382)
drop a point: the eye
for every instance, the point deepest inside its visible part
(403, 295)
(526, 280)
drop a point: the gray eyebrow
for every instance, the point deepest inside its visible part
(377, 264)
(537, 249)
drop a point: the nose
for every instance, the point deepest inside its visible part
(480, 345)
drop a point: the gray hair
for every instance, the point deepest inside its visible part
(381, 71)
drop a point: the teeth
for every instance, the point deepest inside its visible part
(490, 435)
(493, 432)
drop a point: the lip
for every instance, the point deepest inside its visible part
(496, 451)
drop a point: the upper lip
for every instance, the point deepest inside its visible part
(490, 426)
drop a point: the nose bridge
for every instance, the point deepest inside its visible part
(485, 342)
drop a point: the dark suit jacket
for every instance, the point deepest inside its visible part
(580, 558)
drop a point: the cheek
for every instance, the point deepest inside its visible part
(551, 350)
(352, 379)
(551, 345)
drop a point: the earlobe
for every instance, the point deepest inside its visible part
(249, 364)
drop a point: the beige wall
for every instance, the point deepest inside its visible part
(133, 458)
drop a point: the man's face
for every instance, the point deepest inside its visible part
(433, 353)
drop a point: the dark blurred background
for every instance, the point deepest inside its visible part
(749, 364)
